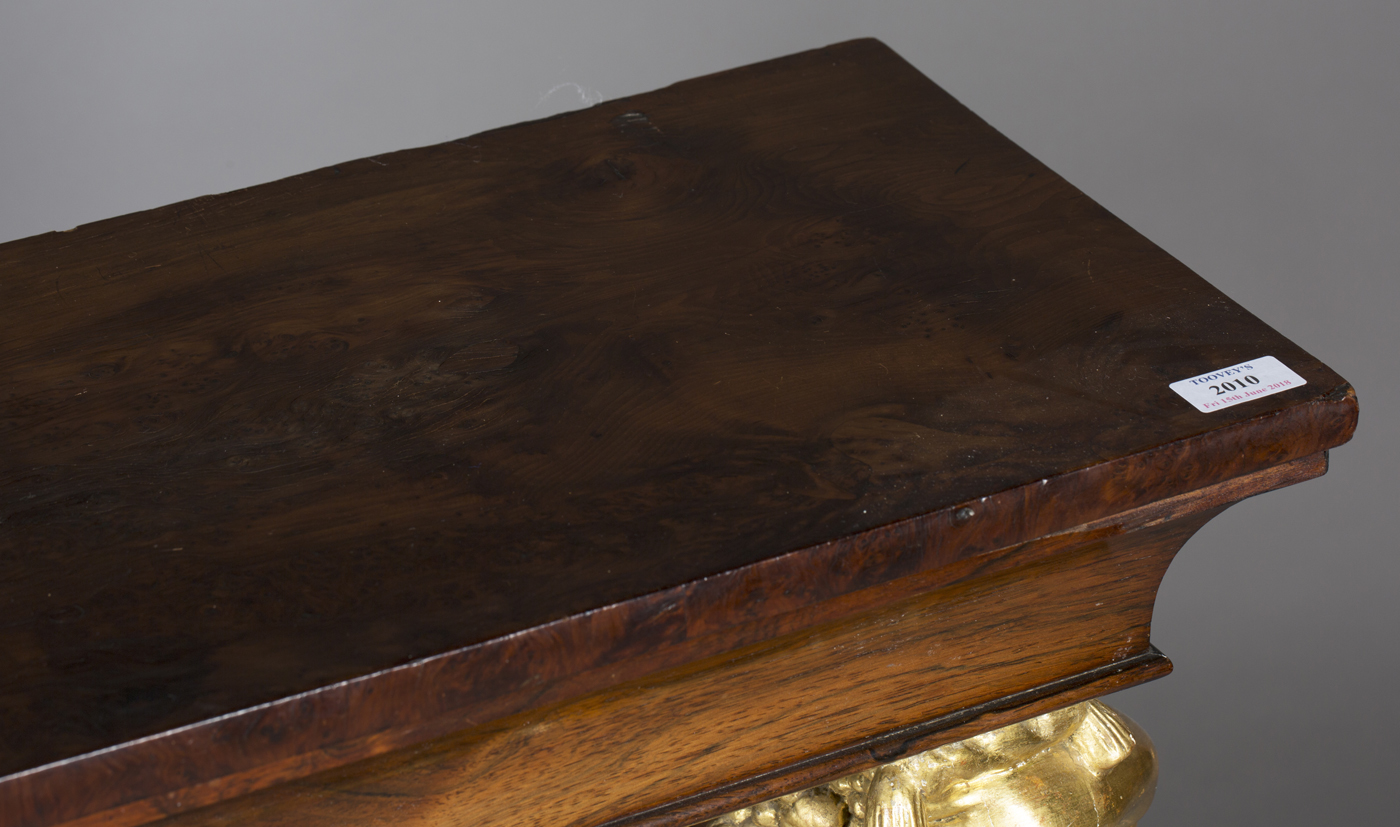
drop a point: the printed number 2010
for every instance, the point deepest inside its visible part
(1235, 385)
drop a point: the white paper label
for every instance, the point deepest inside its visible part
(1222, 388)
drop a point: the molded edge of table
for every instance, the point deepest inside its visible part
(900, 743)
(1007, 634)
(337, 725)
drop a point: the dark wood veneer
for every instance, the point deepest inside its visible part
(307, 481)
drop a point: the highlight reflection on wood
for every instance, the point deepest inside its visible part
(1082, 766)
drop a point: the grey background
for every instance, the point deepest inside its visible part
(1256, 140)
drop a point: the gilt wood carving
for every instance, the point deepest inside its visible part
(562, 427)
(1084, 765)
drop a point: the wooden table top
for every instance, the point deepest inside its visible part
(457, 425)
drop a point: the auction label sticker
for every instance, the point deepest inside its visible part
(1222, 388)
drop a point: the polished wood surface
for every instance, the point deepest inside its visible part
(332, 466)
(916, 662)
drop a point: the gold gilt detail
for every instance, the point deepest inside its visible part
(1082, 766)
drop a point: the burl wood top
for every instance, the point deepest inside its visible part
(676, 355)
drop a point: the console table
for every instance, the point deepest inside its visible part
(779, 430)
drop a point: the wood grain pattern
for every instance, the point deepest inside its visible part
(910, 608)
(336, 465)
(733, 723)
